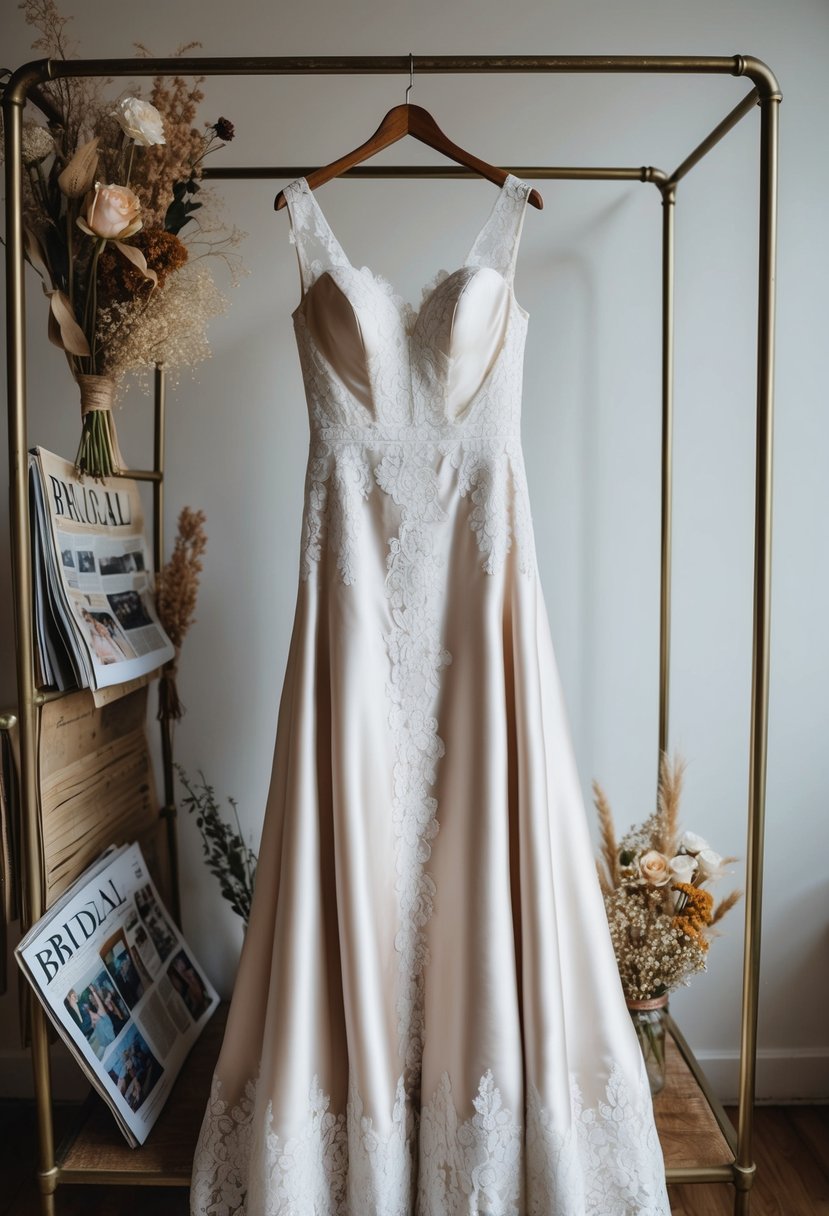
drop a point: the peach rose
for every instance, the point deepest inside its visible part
(112, 212)
(653, 866)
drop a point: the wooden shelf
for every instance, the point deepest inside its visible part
(688, 1129)
(96, 1151)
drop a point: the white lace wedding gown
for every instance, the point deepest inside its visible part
(427, 1018)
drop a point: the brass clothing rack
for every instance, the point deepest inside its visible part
(765, 94)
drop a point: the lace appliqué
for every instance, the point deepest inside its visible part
(335, 484)
(494, 480)
(607, 1161)
(416, 658)
(491, 475)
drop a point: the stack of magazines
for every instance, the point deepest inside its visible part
(120, 984)
(95, 618)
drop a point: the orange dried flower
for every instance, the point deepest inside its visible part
(118, 279)
(696, 915)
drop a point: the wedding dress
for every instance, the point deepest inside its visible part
(427, 1018)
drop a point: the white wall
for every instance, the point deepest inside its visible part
(588, 272)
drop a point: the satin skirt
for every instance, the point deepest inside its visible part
(427, 1018)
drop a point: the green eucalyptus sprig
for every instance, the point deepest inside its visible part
(227, 856)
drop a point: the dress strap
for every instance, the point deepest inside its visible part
(317, 248)
(496, 245)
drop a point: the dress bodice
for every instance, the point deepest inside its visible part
(371, 360)
(420, 405)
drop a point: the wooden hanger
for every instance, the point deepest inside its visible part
(408, 119)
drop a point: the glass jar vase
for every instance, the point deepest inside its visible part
(649, 1023)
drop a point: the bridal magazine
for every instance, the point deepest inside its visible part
(95, 620)
(120, 985)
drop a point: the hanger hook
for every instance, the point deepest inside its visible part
(411, 76)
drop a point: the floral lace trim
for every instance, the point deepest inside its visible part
(416, 658)
(607, 1161)
(497, 243)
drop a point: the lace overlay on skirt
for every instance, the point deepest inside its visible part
(605, 1162)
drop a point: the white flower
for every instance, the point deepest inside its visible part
(140, 120)
(692, 843)
(683, 867)
(35, 143)
(653, 866)
(710, 864)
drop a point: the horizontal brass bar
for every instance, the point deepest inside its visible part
(286, 65)
(645, 173)
(43, 695)
(82, 1177)
(140, 474)
(677, 1175)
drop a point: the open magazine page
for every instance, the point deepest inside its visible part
(98, 575)
(121, 985)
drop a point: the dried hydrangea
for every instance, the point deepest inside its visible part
(35, 143)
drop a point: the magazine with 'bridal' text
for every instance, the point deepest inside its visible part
(120, 984)
(96, 625)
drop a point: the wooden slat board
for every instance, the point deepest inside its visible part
(688, 1131)
(97, 786)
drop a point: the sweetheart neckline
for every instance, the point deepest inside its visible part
(428, 290)
(368, 419)
(404, 306)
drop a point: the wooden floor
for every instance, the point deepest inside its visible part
(792, 1145)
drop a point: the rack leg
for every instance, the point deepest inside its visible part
(742, 1197)
(47, 1171)
(47, 1197)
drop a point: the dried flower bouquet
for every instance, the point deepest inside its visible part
(660, 912)
(108, 189)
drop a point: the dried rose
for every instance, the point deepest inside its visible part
(653, 867)
(112, 212)
(225, 129)
(140, 120)
(710, 864)
(692, 843)
(78, 176)
(683, 867)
